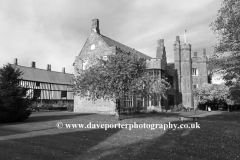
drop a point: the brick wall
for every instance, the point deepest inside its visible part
(101, 49)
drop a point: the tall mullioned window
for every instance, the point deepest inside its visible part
(170, 80)
(194, 71)
(154, 72)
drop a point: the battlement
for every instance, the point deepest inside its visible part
(186, 46)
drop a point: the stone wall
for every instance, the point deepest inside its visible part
(101, 49)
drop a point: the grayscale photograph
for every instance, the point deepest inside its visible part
(119, 79)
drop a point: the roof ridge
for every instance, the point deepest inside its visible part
(40, 69)
(123, 45)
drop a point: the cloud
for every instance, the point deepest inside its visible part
(53, 32)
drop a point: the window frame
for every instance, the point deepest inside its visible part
(195, 71)
(92, 47)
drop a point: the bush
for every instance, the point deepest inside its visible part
(7, 117)
(70, 107)
(14, 100)
(175, 108)
(179, 107)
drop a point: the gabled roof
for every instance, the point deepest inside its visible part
(41, 75)
(125, 48)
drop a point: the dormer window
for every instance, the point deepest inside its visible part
(92, 46)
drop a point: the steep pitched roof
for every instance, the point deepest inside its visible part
(125, 48)
(41, 75)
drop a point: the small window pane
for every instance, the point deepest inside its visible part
(92, 46)
(37, 84)
(64, 94)
(194, 71)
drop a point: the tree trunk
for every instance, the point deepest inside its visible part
(206, 107)
(118, 110)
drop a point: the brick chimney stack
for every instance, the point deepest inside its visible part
(63, 69)
(33, 64)
(49, 67)
(95, 26)
(160, 50)
(15, 61)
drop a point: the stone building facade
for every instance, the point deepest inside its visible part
(186, 73)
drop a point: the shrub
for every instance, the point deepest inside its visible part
(14, 101)
(7, 117)
(70, 107)
(175, 108)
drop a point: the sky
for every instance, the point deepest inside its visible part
(54, 31)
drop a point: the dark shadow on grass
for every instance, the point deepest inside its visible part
(51, 117)
(209, 142)
(213, 140)
(48, 116)
(216, 139)
(10, 131)
(60, 146)
(225, 117)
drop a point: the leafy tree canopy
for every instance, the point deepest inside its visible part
(120, 75)
(227, 28)
(226, 60)
(213, 92)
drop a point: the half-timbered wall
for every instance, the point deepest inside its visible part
(49, 91)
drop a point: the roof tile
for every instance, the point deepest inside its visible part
(41, 75)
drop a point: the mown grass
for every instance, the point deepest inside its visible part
(38, 138)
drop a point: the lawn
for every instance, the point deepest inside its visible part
(39, 138)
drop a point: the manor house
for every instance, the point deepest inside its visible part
(184, 75)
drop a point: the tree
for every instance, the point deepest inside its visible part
(213, 93)
(120, 75)
(226, 59)
(14, 103)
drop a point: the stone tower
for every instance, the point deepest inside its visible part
(203, 68)
(161, 53)
(186, 76)
(177, 62)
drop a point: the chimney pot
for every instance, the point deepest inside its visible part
(15, 61)
(33, 64)
(63, 69)
(49, 67)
